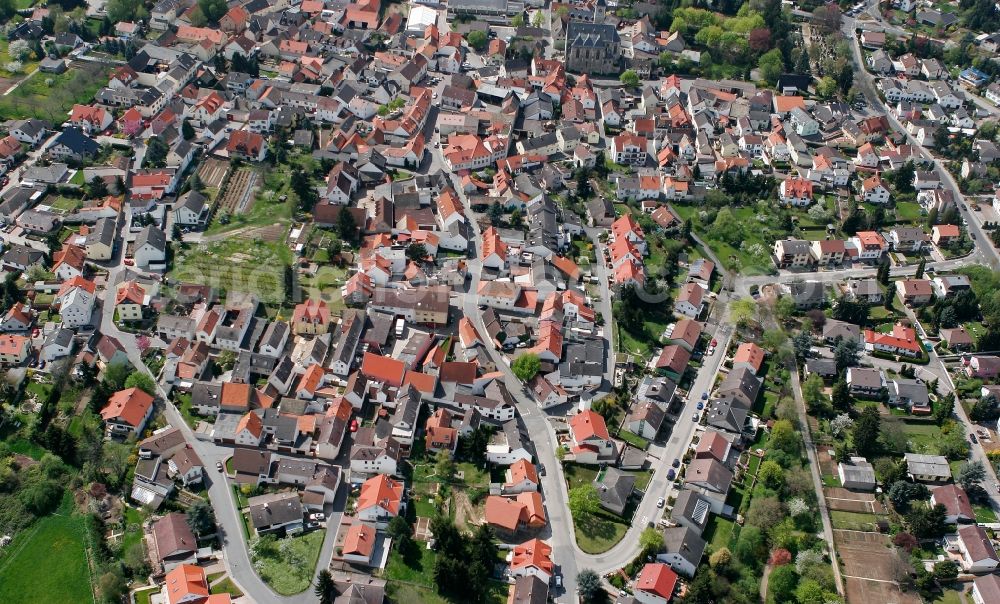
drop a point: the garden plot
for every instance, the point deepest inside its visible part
(849, 501)
(870, 568)
(212, 172)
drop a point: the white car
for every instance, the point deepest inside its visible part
(318, 516)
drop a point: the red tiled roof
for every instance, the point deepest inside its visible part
(129, 406)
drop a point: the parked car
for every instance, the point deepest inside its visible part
(676, 463)
(671, 474)
(318, 516)
(701, 405)
(973, 439)
(218, 466)
(694, 417)
(660, 502)
(704, 396)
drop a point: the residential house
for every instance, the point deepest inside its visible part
(127, 411)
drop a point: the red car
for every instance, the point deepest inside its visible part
(354, 425)
(714, 343)
(129, 262)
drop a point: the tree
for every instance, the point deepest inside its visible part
(771, 64)
(97, 188)
(866, 431)
(201, 519)
(841, 424)
(946, 571)
(928, 522)
(629, 78)
(651, 541)
(827, 87)
(845, 79)
(971, 475)
(305, 191)
(8, 8)
(850, 311)
(416, 252)
(845, 353)
(444, 465)
(945, 407)
(213, 9)
(517, 21)
(346, 225)
(477, 39)
(816, 401)
(903, 493)
(765, 512)
(721, 558)
(142, 381)
(537, 19)
(920, 269)
(588, 585)
(751, 546)
(983, 409)
(759, 39)
(906, 541)
(187, 130)
(781, 584)
(156, 153)
(771, 475)
(883, 271)
(784, 437)
(584, 501)
(743, 311)
(526, 366)
(325, 589)
(784, 308)
(841, 396)
(802, 344)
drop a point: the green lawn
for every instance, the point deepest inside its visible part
(984, 513)
(909, 212)
(718, 532)
(285, 576)
(415, 594)
(66, 204)
(236, 264)
(599, 533)
(577, 474)
(415, 569)
(226, 586)
(50, 97)
(642, 344)
(950, 596)
(142, 597)
(77, 178)
(923, 437)
(852, 521)
(633, 439)
(48, 561)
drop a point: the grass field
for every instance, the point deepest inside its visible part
(236, 264)
(48, 561)
(50, 97)
(287, 578)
